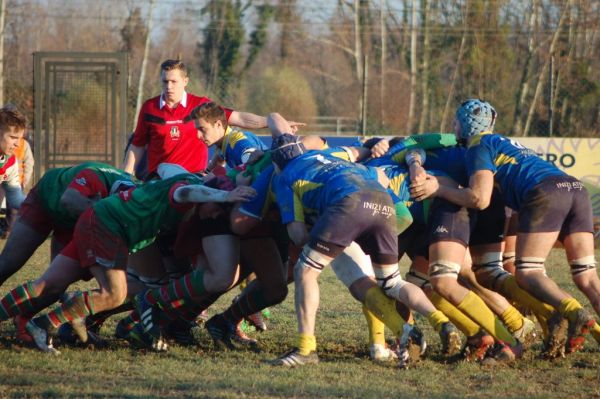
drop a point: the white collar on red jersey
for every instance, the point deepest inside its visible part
(183, 101)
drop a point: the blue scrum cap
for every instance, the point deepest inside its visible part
(475, 116)
(285, 148)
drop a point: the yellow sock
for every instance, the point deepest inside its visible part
(376, 327)
(477, 310)
(595, 331)
(456, 316)
(436, 319)
(568, 307)
(384, 308)
(512, 291)
(306, 344)
(512, 319)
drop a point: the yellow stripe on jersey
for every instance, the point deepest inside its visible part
(396, 183)
(503, 159)
(232, 136)
(298, 210)
(474, 140)
(301, 187)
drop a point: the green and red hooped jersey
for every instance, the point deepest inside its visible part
(90, 179)
(137, 215)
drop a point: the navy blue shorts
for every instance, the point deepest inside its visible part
(559, 203)
(367, 217)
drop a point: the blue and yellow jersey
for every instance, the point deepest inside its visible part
(316, 180)
(237, 147)
(516, 169)
(259, 206)
(400, 188)
(450, 160)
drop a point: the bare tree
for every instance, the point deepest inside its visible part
(544, 71)
(413, 67)
(140, 92)
(425, 68)
(459, 57)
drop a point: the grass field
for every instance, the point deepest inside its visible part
(345, 369)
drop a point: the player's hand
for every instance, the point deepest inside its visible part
(241, 193)
(243, 179)
(417, 173)
(295, 126)
(380, 149)
(425, 189)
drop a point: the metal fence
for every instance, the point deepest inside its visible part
(80, 108)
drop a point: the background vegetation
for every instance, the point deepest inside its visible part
(537, 61)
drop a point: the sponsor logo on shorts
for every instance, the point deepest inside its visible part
(441, 229)
(323, 247)
(378, 209)
(575, 185)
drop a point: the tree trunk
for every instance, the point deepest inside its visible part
(459, 57)
(544, 71)
(523, 89)
(413, 69)
(140, 93)
(358, 50)
(424, 119)
(382, 61)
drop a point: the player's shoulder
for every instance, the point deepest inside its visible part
(153, 102)
(195, 100)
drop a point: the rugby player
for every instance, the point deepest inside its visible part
(551, 205)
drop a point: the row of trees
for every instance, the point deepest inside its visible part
(399, 66)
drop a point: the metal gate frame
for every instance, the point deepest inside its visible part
(45, 64)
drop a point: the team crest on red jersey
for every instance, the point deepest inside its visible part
(175, 133)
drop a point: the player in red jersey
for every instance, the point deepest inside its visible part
(165, 129)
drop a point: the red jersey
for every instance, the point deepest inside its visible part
(170, 135)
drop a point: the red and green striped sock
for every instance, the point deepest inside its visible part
(188, 287)
(20, 300)
(78, 306)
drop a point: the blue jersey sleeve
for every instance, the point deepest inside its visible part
(260, 204)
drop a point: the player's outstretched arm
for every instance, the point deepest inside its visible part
(200, 193)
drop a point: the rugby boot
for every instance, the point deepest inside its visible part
(554, 346)
(527, 334)
(577, 329)
(450, 338)
(257, 321)
(293, 358)
(41, 338)
(502, 352)
(477, 346)
(381, 353)
(148, 315)
(21, 333)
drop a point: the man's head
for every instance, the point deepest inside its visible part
(286, 148)
(12, 127)
(210, 121)
(174, 78)
(474, 117)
